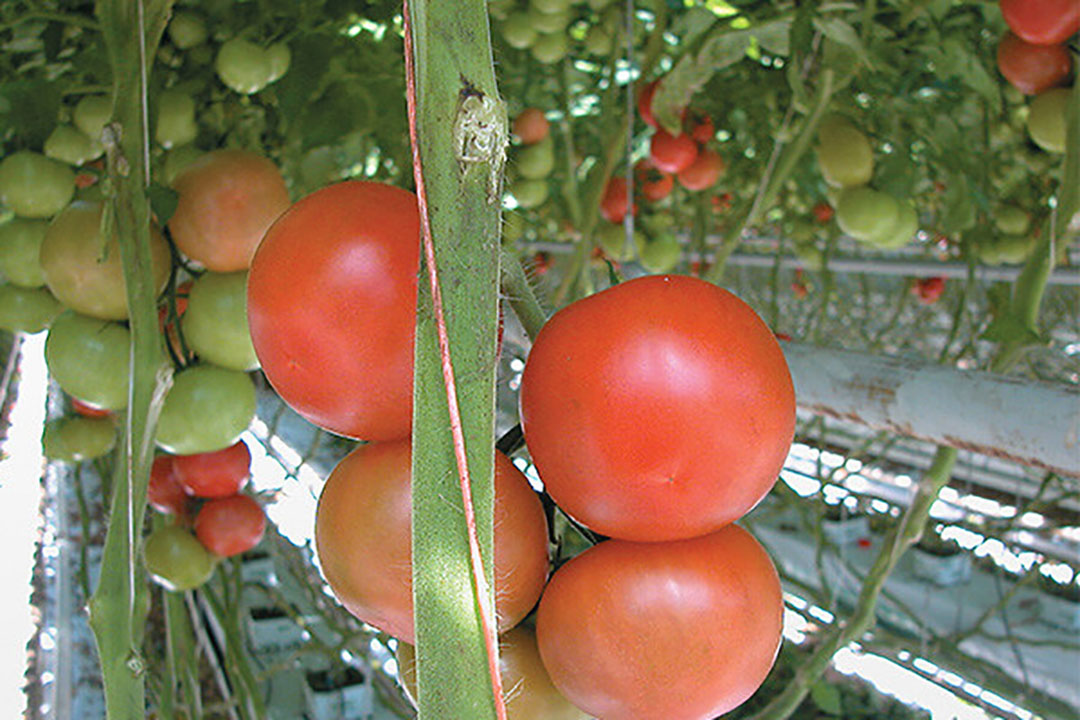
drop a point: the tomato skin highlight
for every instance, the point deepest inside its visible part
(672, 153)
(214, 474)
(1032, 68)
(331, 303)
(1042, 22)
(364, 539)
(659, 409)
(686, 630)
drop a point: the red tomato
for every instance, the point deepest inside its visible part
(823, 212)
(928, 289)
(531, 126)
(703, 172)
(332, 304)
(684, 630)
(214, 474)
(672, 153)
(703, 130)
(1043, 22)
(613, 203)
(230, 525)
(165, 493)
(541, 263)
(655, 184)
(722, 203)
(644, 103)
(228, 198)
(86, 409)
(363, 537)
(658, 409)
(1032, 68)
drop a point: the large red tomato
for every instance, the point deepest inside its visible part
(1032, 68)
(685, 630)
(659, 409)
(228, 198)
(363, 536)
(217, 474)
(672, 153)
(230, 525)
(1043, 22)
(332, 305)
(613, 203)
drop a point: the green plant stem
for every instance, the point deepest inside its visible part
(773, 180)
(118, 608)
(903, 536)
(519, 293)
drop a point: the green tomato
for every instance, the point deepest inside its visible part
(598, 41)
(518, 31)
(550, 7)
(90, 359)
(27, 310)
(243, 66)
(547, 24)
(902, 230)
(1011, 220)
(186, 30)
(215, 324)
(91, 114)
(549, 49)
(77, 438)
(611, 237)
(599, 4)
(70, 145)
(176, 559)
(661, 254)
(810, 254)
(280, 58)
(513, 227)
(536, 161)
(499, 9)
(1046, 119)
(867, 214)
(529, 193)
(20, 246)
(206, 409)
(319, 167)
(85, 273)
(176, 124)
(177, 160)
(1005, 249)
(844, 153)
(35, 186)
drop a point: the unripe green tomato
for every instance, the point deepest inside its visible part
(70, 145)
(243, 66)
(611, 238)
(536, 161)
(176, 559)
(499, 9)
(866, 214)
(27, 310)
(206, 409)
(201, 55)
(903, 229)
(86, 274)
(598, 41)
(186, 30)
(77, 438)
(1011, 220)
(35, 186)
(810, 254)
(550, 6)
(517, 31)
(513, 227)
(20, 247)
(546, 24)
(661, 254)
(215, 323)
(91, 114)
(176, 124)
(177, 159)
(549, 49)
(1007, 249)
(280, 57)
(319, 167)
(844, 153)
(89, 359)
(599, 4)
(1046, 119)
(529, 193)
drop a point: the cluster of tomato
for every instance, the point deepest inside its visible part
(543, 27)
(534, 159)
(203, 489)
(683, 432)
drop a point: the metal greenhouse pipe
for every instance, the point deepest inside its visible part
(1030, 422)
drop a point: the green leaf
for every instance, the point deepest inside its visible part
(32, 107)
(163, 202)
(827, 698)
(959, 61)
(311, 56)
(959, 207)
(844, 34)
(691, 25)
